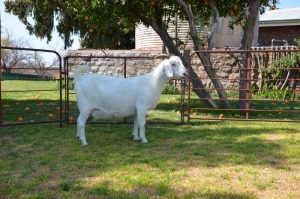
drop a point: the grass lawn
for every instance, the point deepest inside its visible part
(206, 159)
(34, 101)
(203, 160)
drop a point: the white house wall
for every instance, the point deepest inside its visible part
(146, 38)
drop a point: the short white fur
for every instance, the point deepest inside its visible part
(106, 97)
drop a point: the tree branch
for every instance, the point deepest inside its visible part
(192, 25)
(250, 25)
(162, 32)
(214, 24)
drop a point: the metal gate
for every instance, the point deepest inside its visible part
(124, 65)
(269, 87)
(31, 93)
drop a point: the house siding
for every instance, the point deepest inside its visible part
(289, 33)
(146, 38)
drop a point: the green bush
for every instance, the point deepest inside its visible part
(71, 84)
(274, 93)
(277, 82)
(170, 89)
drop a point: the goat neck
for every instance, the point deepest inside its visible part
(159, 77)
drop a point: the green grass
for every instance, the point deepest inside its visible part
(42, 99)
(31, 100)
(262, 109)
(47, 94)
(206, 159)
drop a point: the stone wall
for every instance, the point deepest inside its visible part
(225, 67)
(143, 61)
(111, 62)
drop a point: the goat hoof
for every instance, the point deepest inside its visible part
(136, 138)
(144, 141)
(84, 144)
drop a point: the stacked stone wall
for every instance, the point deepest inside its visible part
(141, 62)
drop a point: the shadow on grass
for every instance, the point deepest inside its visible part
(106, 190)
(209, 145)
(144, 169)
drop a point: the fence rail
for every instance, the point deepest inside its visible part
(22, 98)
(123, 64)
(270, 89)
(267, 83)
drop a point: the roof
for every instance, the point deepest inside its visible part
(280, 17)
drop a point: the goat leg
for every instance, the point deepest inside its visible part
(135, 135)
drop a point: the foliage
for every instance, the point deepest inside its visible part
(277, 82)
(170, 89)
(33, 60)
(274, 93)
(74, 17)
(10, 58)
(297, 42)
(71, 84)
(90, 16)
(97, 21)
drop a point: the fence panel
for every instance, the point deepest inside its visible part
(268, 91)
(169, 107)
(31, 93)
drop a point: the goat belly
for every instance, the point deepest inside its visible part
(98, 114)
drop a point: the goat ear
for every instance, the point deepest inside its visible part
(168, 70)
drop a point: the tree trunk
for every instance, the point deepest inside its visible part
(205, 57)
(246, 45)
(200, 90)
(198, 87)
(216, 82)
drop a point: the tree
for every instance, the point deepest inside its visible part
(36, 63)
(113, 37)
(248, 19)
(10, 58)
(74, 17)
(88, 16)
(242, 13)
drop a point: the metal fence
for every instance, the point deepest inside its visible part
(267, 91)
(31, 95)
(264, 88)
(124, 66)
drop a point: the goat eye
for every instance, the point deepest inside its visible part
(173, 65)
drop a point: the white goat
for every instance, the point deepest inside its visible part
(106, 97)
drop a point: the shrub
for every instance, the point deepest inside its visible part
(277, 82)
(170, 89)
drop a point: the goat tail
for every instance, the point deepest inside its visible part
(79, 71)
